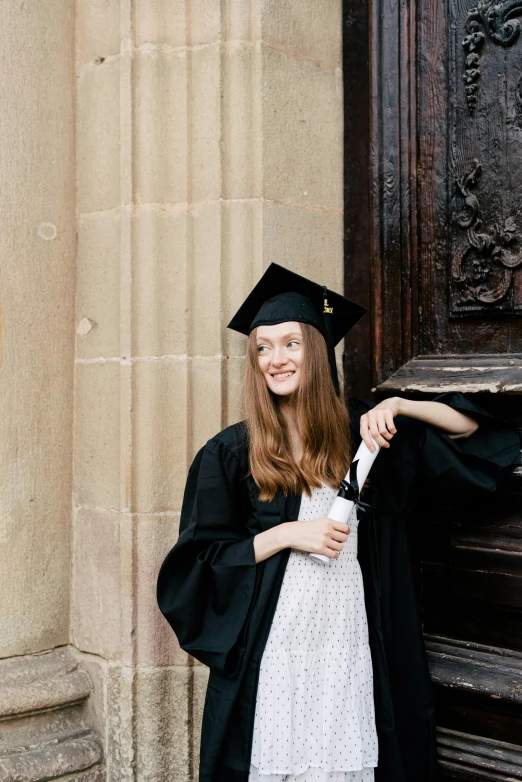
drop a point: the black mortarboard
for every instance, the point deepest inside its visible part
(282, 295)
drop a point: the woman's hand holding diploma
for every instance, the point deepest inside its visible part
(324, 538)
(320, 536)
(350, 488)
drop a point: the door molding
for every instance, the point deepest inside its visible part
(472, 373)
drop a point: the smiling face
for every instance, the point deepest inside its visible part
(280, 356)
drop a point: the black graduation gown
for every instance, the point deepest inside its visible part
(220, 603)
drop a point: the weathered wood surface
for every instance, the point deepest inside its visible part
(470, 373)
(480, 670)
(445, 250)
(462, 756)
(358, 365)
(470, 570)
(439, 262)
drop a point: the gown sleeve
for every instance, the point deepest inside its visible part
(206, 583)
(467, 469)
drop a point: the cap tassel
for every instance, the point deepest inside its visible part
(327, 315)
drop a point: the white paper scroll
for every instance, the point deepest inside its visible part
(341, 508)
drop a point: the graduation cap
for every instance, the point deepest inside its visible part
(282, 295)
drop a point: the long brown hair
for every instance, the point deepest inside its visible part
(322, 418)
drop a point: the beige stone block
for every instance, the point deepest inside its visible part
(147, 721)
(128, 579)
(121, 723)
(160, 126)
(37, 130)
(159, 277)
(241, 137)
(243, 21)
(199, 689)
(205, 124)
(160, 434)
(97, 589)
(308, 28)
(156, 643)
(98, 286)
(308, 242)
(97, 668)
(97, 29)
(205, 408)
(98, 136)
(167, 22)
(97, 434)
(205, 326)
(162, 724)
(37, 359)
(242, 241)
(178, 137)
(206, 21)
(161, 22)
(302, 132)
(234, 406)
(34, 543)
(96, 774)
(103, 615)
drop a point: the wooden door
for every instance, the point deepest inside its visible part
(433, 165)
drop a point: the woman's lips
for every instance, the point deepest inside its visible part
(284, 376)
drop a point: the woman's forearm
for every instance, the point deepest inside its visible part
(270, 542)
(443, 416)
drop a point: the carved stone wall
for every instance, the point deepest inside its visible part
(208, 145)
(47, 729)
(155, 157)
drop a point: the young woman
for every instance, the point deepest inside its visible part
(311, 678)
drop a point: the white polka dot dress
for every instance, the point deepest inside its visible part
(314, 719)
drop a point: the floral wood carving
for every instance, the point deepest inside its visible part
(494, 20)
(484, 272)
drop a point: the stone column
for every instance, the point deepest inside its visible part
(209, 144)
(42, 692)
(37, 248)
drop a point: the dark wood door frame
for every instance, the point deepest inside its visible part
(433, 182)
(419, 218)
(380, 188)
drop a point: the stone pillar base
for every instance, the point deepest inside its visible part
(45, 729)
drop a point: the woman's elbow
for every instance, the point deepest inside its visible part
(473, 426)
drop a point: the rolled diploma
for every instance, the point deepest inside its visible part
(341, 508)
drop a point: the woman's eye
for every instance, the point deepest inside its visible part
(264, 347)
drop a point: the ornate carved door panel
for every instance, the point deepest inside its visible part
(433, 128)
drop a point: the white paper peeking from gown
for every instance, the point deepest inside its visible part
(341, 507)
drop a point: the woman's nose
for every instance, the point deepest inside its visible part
(278, 357)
